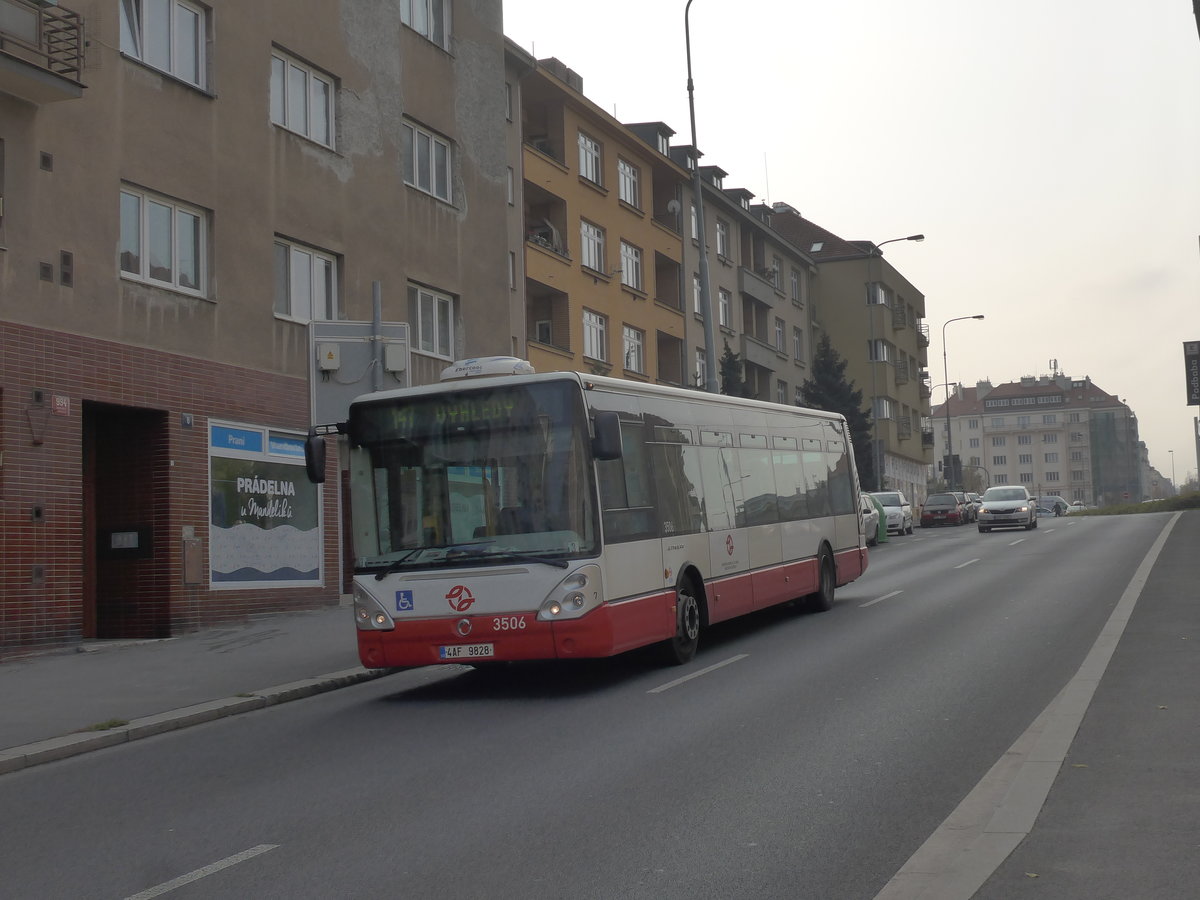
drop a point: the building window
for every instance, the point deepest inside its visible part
(724, 307)
(797, 296)
(998, 422)
(595, 335)
(589, 159)
(635, 349)
(429, 18)
(973, 443)
(798, 398)
(1001, 478)
(301, 99)
(798, 343)
(695, 224)
(696, 296)
(1022, 421)
(1025, 459)
(433, 313)
(1052, 476)
(1025, 439)
(512, 270)
(629, 183)
(1077, 474)
(701, 367)
(169, 35)
(1051, 458)
(631, 266)
(508, 98)
(664, 144)
(883, 408)
(427, 162)
(998, 441)
(972, 424)
(1050, 419)
(305, 282)
(999, 460)
(163, 242)
(781, 392)
(780, 344)
(511, 190)
(1026, 477)
(592, 245)
(1049, 438)
(723, 239)
(1076, 456)
(879, 351)
(777, 273)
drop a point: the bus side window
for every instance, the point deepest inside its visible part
(626, 497)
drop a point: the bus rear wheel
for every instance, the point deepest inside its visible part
(822, 600)
(682, 647)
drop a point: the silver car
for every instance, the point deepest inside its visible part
(1007, 506)
(897, 510)
(870, 516)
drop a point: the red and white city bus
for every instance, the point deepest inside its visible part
(560, 515)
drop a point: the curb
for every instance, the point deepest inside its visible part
(14, 759)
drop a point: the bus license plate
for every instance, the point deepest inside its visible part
(466, 651)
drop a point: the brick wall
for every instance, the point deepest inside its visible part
(45, 566)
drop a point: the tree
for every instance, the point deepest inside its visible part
(829, 390)
(732, 383)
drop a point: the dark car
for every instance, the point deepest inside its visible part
(1057, 505)
(968, 506)
(942, 509)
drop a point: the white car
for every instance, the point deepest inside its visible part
(1007, 506)
(870, 516)
(897, 510)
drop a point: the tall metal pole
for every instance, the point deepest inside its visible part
(710, 330)
(946, 373)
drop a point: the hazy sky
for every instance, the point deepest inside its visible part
(1049, 150)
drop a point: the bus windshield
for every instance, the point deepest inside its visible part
(472, 477)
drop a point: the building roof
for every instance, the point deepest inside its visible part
(1076, 393)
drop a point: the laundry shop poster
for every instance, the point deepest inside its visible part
(265, 529)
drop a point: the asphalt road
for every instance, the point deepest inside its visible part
(799, 755)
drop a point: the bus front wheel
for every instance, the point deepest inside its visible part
(682, 647)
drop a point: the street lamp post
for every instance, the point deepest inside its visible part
(876, 448)
(946, 373)
(710, 333)
(1174, 487)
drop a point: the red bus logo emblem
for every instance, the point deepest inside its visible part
(460, 598)
(729, 544)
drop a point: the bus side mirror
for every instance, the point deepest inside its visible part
(314, 457)
(607, 442)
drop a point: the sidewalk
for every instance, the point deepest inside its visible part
(49, 700)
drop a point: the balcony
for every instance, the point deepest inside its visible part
(926, 437)
(759, 353)
(41, 51)
(923, 335)
(904, 429)
(756, 287)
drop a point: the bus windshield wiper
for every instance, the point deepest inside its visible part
(520, 556)
(396, 564)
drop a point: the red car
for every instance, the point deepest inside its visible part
(942, 509)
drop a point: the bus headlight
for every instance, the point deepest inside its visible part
(574, 596)
(369, 614)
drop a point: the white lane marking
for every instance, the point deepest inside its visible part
(879, 599)
(1000, 811)
(1017, 541)
(679, 681)
(967, 563)
(210, 869)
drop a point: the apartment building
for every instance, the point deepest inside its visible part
(1056, 435)
(184, 192)
(603, 250)
(875, 319)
